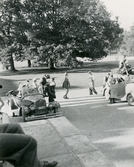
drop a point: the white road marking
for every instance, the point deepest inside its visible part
(126, 108)
(82, 101)
(94, 102)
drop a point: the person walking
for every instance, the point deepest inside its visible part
(66, 85)
(91, 84)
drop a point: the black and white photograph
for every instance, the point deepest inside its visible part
(66, 83)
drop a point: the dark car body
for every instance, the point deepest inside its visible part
(32, 106)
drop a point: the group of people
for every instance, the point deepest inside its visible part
(108, 82)
(24, 153)
(46, 86)
(66, 84)
(18, 148)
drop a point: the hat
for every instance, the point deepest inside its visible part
(89, 72)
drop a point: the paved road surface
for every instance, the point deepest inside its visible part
(109, 126)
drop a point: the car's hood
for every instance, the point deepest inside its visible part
(33, 98)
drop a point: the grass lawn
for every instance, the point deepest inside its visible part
(78, 77)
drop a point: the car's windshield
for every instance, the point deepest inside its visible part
(26, 91)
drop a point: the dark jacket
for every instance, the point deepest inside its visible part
(66, 83)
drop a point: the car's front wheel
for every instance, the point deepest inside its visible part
(130, 100)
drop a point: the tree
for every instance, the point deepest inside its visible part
(53, 29)
(44, 34)
(84, 28)
(12, 25)
(127, 47)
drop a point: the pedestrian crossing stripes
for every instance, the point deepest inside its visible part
(83, 98)
(97, 106)
(82, 101)
(94, 102)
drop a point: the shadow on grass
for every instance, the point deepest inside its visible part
(97, 67)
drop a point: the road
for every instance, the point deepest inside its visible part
(109, 126)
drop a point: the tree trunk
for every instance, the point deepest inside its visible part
(51, 64)
(11, 61)
(29, 63)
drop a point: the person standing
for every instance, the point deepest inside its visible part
(50, 89)
(34, 84)
(1, 105)
(91, 84)
(66, 85)
(42, 85)
(1, 101)
(105, 83)
(106, 78)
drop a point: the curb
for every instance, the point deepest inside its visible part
(77, 150)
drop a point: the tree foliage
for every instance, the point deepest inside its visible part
(53, 29)
(12, 25)
(127, 47)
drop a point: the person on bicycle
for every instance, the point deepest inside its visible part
(123, 62)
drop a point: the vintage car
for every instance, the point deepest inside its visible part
(123, 90)
(107, 87)
(32, 105)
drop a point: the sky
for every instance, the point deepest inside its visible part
(124, 9)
